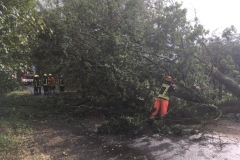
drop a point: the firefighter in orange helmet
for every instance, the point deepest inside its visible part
(161, 102)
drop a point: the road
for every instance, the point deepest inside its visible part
(30, 89)
(221, 141)
(196, 147)
(79, 141)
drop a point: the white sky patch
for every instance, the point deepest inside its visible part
(214, 14)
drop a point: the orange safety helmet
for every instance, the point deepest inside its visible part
(168, 78)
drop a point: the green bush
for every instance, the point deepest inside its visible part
(119, 125)
(161, 127)
(7, 83)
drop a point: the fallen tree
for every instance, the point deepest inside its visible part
(230, 84)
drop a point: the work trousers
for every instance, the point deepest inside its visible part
(45, 89)
(35, 89)
(39, 90)
(52, 89)
(160, 108)
(61, 88)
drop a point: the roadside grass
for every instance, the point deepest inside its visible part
(13, 127)
(20, 111)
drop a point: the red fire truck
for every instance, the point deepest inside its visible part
(27, 77)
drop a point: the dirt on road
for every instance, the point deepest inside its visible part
(55, 140)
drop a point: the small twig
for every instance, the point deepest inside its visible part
(208, 54)
(172, 109)
(218, 116)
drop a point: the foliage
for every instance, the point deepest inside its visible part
(7, 82)
(190, 111)
(224, 54)
(117, 52)
(19, 24)
(131, 53)
(161, 127)
(121, 125)
(130, 125)
(21, 111)
(12, 126)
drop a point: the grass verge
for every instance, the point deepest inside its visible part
(21, 112)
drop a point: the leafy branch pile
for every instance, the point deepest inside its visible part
(116, 53)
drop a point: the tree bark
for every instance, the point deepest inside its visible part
(230, 84)
(188, 97)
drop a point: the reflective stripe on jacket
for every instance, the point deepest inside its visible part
(45, 81)
(164, 91)
(61, 82)
(36, 83)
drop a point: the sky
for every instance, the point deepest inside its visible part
(214, 15)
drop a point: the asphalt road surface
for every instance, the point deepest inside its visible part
(30, 89)
(219, 144)
(92, 146)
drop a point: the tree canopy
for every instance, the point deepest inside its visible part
(119, 50)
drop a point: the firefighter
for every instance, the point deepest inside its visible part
(35, 85)
(45, 84)
(161, 102)
(39, 85)
(52, 82)
(61, 84)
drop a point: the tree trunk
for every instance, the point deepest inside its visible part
(230, 84)
(188, 97)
